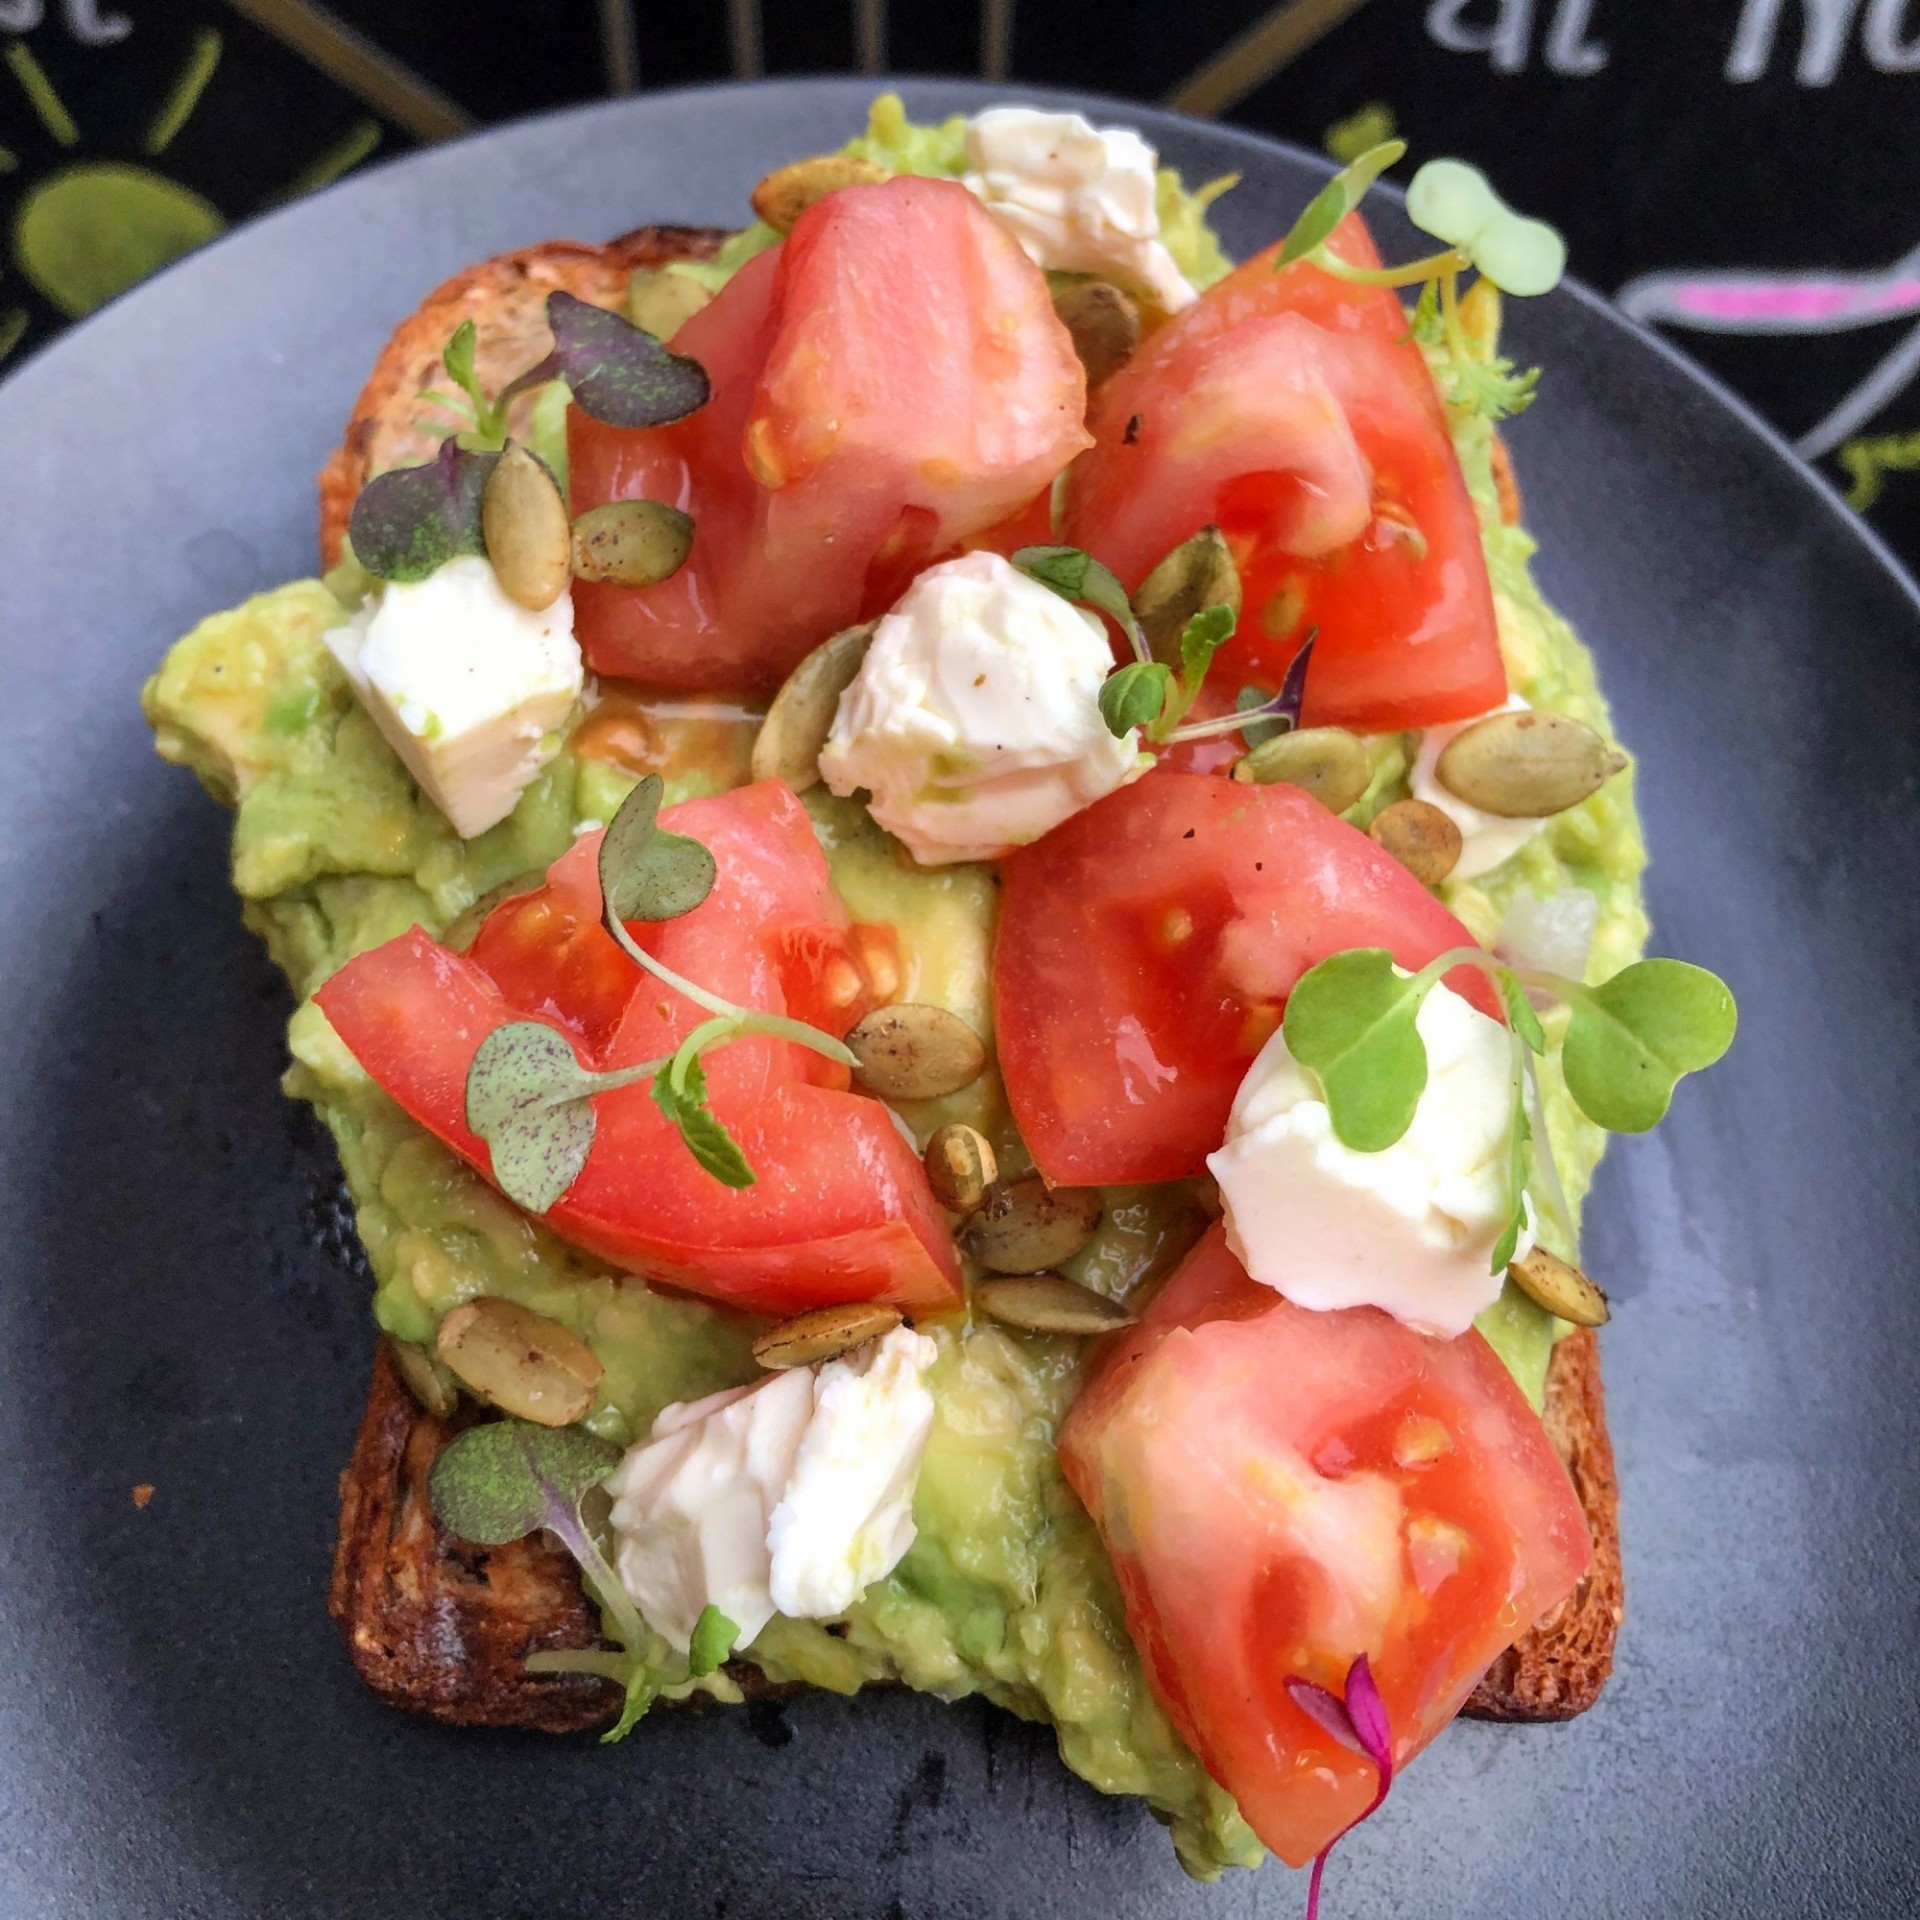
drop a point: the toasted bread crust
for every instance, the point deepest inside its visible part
(506, 299)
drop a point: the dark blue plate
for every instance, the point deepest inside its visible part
(180, 1734)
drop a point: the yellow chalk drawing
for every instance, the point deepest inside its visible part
(187, 89)
(40, 94)
(13, 324)
(343, 156)
(1367, 127)
(1869, 461)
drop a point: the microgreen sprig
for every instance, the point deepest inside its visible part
(1351, 1022)
(1356, 1718)
(1079, 577)
(531, 1100)
(499, 1482)
(408, 523)
(1457, 204)
(617, 372)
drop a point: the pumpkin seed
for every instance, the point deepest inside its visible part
(1198, 573)
(797, 724)
(633, 543)
(1421, 837)
(913, 1052)
(824, 1334)
(787, 192)
(523, 521)
(520, 1361)
(1025, 1226)
(661, 303)
(464, 929)
(426, 1379)
(1561, 1288)
(960, 1168)
(1524, 766)
(1047, 1303)
(1327, 762)
(1104, 325)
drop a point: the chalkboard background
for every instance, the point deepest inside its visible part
(1744, 174)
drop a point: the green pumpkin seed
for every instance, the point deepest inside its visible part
(1104, 324)
(1025, 1226)
(960, 1168)
(824, 1334)
(1421, 837)
(786, 193)
(788, 744)
(1047, 1303)
(632, 543)
(519, 1361)
(1525, 766)
(1561, 1288)
(912, 1052)
(431, 1384)
(1198, 573)
(1327, 762)
(660, 302)
(523, 521)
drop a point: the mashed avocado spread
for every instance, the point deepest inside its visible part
(1007, 1591)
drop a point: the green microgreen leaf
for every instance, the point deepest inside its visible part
(499, 1482)
(1350, 1021)
(1457, 203)
(713, 1639)
(1079, 577)
(1520, 1010)
(408, 523)
(1519, 1134)
(529, 1099)
(617, 372)
(1471, 381)
(1134, 696)
(458, 357)
(647, 873)
(680, 1091)
(1336, 200)
(1200, 639)
(1632, 1038)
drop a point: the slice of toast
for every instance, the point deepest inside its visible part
(394, 425)
(442, 1627)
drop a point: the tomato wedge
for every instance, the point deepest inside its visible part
(889, 382)
(1292, 410)
(1145, 950)
(1282, 1491)
(840, 1210)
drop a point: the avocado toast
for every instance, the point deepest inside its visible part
(1007, 1589)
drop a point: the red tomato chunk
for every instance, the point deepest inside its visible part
(840, 1210)
(1282, 1491)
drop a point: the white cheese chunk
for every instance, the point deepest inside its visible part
(1410, 1230)
(974, 722)
(469, 688)
(791, 1495)
(1487, 840)
(1078, 199)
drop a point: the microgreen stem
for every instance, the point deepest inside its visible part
(1543, 1160)
(728, 1022)
(1411, 275)
(712, 1002)
(1226, 723)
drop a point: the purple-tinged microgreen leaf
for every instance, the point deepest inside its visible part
(1258, 717)
(530, 1100)
(1134, 696)
(1253, 702)
(647, 873)
(617, 372)
(499, 1482)
(1293, 687)
(713, 1639)
(1368, 1712)
(1520, 1011)
(408, 523)
(1079, 577)
(1351, 1022)
(1326, 1710)
(1366, 1731)
(1335, 201)
(1634, 1036)
(680, 1091)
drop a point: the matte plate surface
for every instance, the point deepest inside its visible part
(180, 1734)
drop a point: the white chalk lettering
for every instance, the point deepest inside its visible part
(1882, 37)
(1823, 40)
(1570, 47)
(1505, 39)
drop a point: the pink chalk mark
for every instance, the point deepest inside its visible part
(1798, 300)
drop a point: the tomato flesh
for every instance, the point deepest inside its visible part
(889, 382)
(1292, 410)
(840, 1209)
(1282, 1491)
(1145, 950)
